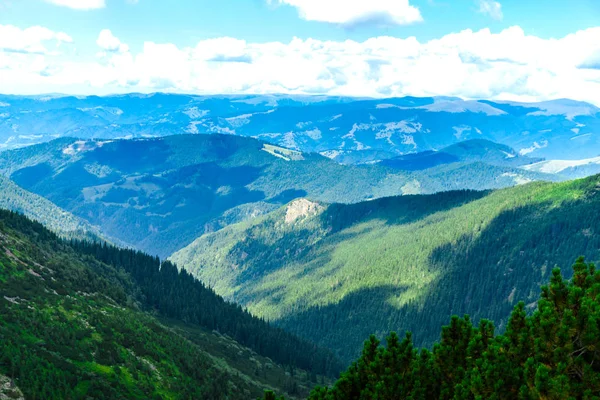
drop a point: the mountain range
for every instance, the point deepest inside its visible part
(160, 194)
(347, 129)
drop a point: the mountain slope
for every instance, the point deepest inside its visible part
(65, 224)
(80, 320)
(158, 195)
(337, 273)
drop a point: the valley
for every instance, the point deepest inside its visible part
(267, 259)
(299, 200)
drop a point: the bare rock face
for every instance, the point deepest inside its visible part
(8, 389)
(301, 208)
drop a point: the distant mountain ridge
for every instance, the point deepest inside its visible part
(560, 129)
(474, 150)
(567, 168)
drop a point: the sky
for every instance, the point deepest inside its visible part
(531, 50)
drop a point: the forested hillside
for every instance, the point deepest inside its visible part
(65, 224)
(551, 354)
(158, 195)
(81, 320)
(337, 273)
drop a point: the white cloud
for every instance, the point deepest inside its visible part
(356, 12)
(79, 4)
(508, 65)
(31, 40)
(491, 8)
(108, 42)
(592, 62)
(224, 49)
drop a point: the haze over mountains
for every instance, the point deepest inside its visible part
(299, 200)
(334, 126)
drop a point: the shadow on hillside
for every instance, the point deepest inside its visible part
(483, 276)
(287, 196)
(397, 210)
(513, 257)
(160, 213)
(344, 326)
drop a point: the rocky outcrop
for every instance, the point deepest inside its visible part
(301, 208)
(8, 389)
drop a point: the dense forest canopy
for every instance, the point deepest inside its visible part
(552, 353)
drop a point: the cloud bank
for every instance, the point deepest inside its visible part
(508, 65)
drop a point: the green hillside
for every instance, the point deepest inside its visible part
(81, 320)
(551, 354)
(65, 224)
(337, 273)
(158, 195)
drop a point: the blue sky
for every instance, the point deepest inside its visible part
(184, 22)
(495, 49)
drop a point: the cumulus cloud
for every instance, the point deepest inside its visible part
(79, 4)
(355, 12)
(31, 40)
(508, 65)
(108, 42)
(491, 8)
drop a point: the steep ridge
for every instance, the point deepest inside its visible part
(343, 272)
(80, 320)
